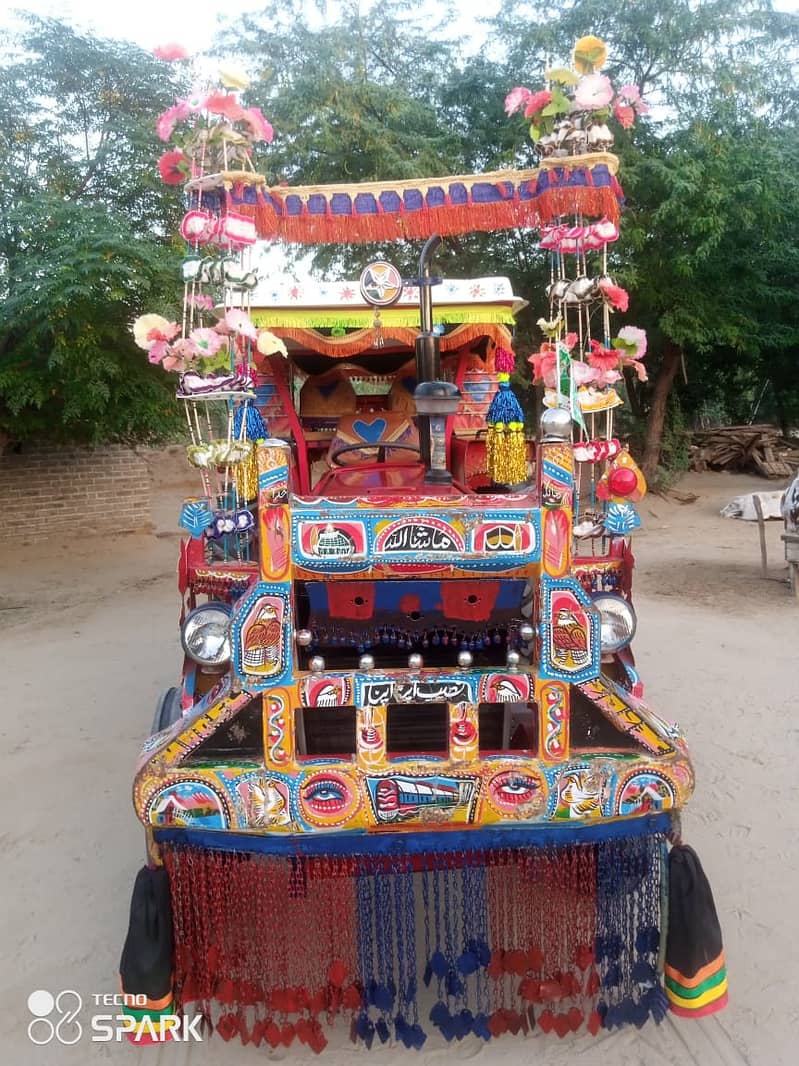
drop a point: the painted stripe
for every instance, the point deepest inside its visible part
(701, 1001)
(357, 842)
(140, 1013)
(710, 1008)
(701, 975)
(151, 1004)
(692, 993)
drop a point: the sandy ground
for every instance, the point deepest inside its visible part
(88, 635)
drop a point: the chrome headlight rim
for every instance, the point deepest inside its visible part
(192, 624)
(612, 607)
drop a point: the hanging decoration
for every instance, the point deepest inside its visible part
(506, 448)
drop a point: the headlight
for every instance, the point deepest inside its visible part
(205, 635)
(617, 622)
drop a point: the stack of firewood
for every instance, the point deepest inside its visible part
(757, 449)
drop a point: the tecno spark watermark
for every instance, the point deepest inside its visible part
(58, 1017)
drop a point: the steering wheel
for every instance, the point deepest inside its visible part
(381, 449)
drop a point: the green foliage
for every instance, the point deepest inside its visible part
(70, 369)
(81, 208)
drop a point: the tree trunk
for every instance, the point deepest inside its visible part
(672, 357)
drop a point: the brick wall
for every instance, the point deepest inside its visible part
(50, 492)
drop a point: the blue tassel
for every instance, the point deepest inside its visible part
(454, 984)
(418, 1037)
(254, 425)
(644, 973)
(655, 999)
(439, 1014)
(504, 407)
(648, 940)
(439, 965)
(366, 1029)
(383, 999)
(382, 1030)
(480, 1027)
(468, 963)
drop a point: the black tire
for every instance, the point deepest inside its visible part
(168, 710)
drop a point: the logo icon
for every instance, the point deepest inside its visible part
(66, 1029)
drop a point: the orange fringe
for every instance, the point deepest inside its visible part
(364, 339)
(447, 220)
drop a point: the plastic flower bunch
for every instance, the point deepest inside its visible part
(206, 348)
(602, 365)
(210, 130)
(570, 116)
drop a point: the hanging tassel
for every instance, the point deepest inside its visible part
(254, 427)
(248, 425)
(506, 448)
(695, 972)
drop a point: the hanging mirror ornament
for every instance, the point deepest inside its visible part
(380, 284)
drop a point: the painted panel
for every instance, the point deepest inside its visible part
(569, 632)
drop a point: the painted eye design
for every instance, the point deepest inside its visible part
(324, 794)
(328, 799)
(511, 789)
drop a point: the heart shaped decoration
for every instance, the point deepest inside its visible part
(370, 432)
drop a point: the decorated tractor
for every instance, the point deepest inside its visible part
(408, 777)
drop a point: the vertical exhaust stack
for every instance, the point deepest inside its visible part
(435, 399)
(428, 355)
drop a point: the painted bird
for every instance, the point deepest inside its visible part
(569, 639)
(262, 642)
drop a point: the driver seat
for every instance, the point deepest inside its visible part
(379, 430)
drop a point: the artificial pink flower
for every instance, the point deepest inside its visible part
(173, 167)
(184, 349)
(225, 104)
(634, 335)
(570, 340)
(631, 95)
(170, 52)
(607, 377)
(593, 92)
(516, 99)
(537, 102)
(149, 328)
(582, 374)
(544, 363)
(158, 351)
(195, 102)
(615, 295)
(166, 122)
(601, 358)
(239, 322)
(625, 115)
(639, 368)
(163, 333)
(260, 126)
(206, 342)
(174, 363)
(201, 301)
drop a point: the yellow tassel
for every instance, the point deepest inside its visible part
(246, 475)
(506, 453)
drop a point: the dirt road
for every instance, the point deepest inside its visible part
(89, 640)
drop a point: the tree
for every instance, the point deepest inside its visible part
(83, 218)
(705, 180)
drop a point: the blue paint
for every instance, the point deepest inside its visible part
(359, 842)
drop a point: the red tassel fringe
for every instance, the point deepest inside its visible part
(447, 220)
